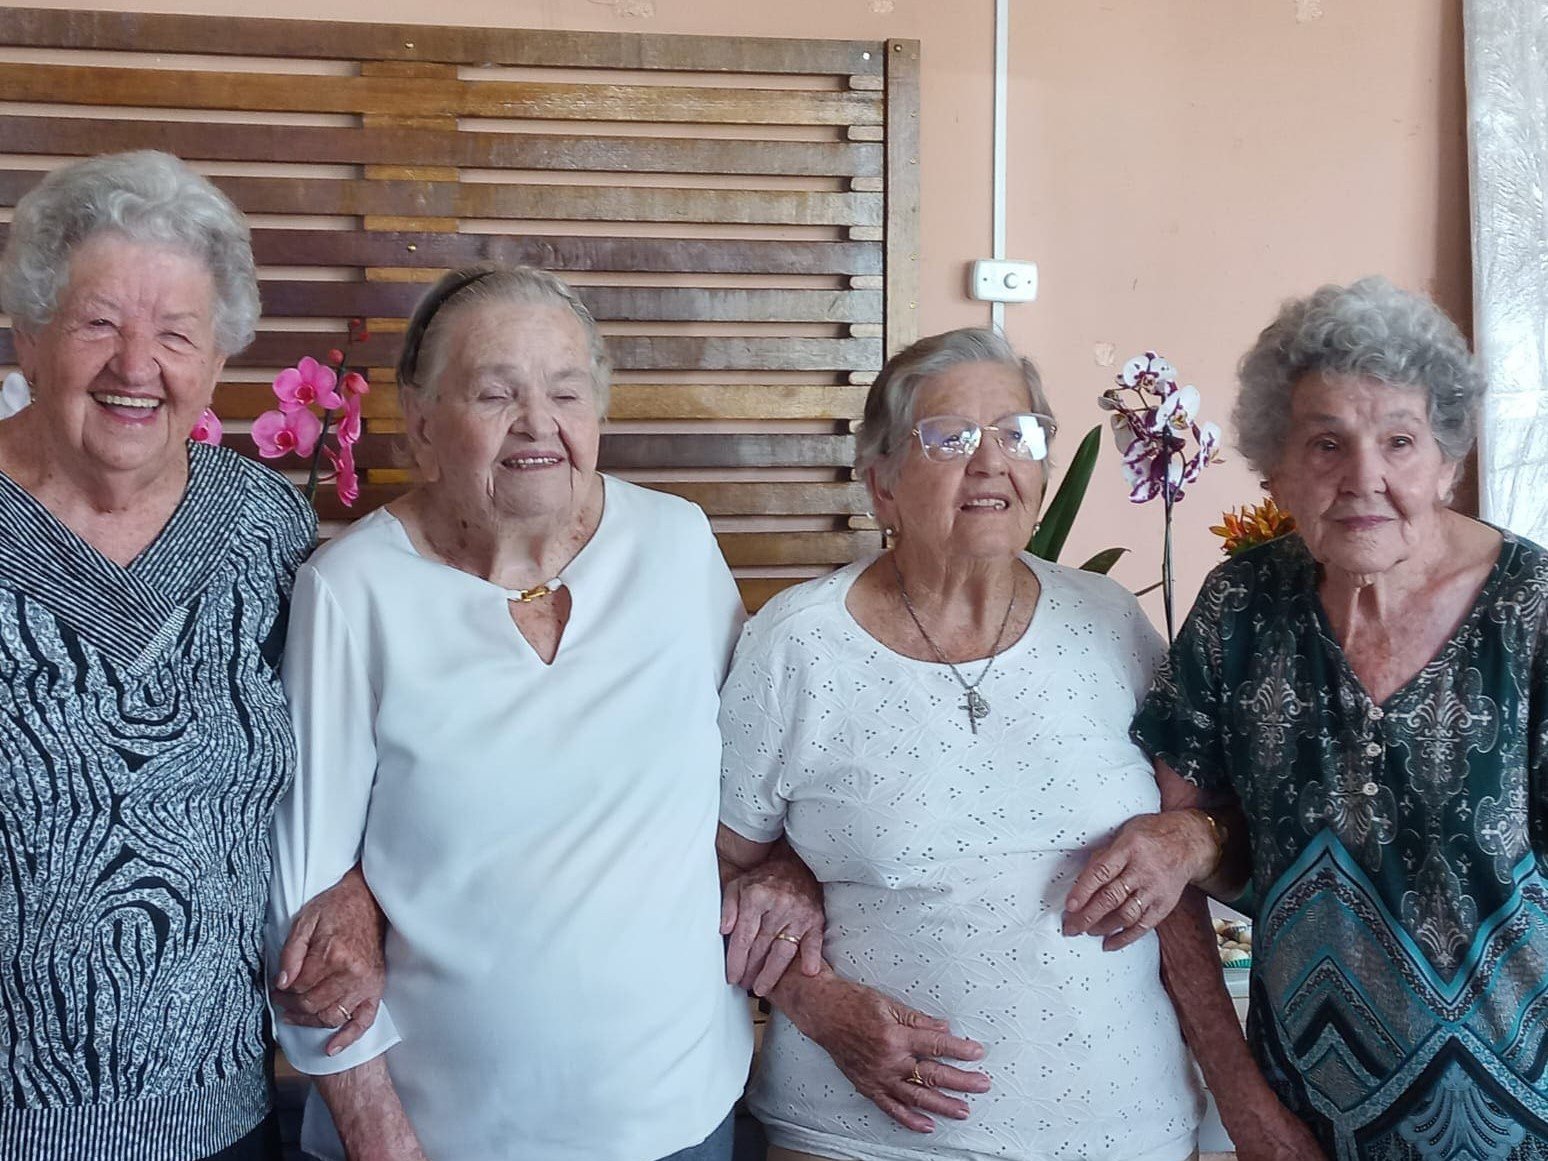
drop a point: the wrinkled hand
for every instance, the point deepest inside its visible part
(1133, 883)
(771, 912)
(332, 968)
(878, 1043)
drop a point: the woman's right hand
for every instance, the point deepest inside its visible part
(888, 1050)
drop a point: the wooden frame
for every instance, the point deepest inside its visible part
(740, 214)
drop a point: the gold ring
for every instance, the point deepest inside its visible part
(788, 938)
(914, 1077)
(345, 1012)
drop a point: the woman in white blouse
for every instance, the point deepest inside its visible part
(504, 689)
(942, 732)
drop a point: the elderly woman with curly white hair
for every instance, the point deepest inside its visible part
(144, 586)
(1365, 702)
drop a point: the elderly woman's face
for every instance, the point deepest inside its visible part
(979, 507)
(1361, 472)
(513, 421)
(129, 361)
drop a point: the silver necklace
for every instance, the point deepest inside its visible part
(974, 703)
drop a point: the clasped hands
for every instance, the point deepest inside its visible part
(892, 1054)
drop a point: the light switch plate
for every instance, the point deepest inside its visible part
(1001, 280)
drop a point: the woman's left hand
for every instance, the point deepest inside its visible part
(772, 912)
(1133, 883)
(332, 968)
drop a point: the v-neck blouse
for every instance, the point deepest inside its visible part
(144, 740)
(540, 837)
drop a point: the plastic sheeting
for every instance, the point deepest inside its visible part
(1507, 105)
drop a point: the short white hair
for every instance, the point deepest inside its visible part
(147, 197)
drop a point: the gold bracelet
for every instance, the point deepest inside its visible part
(1220, 833)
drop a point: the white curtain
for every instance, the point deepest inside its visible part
(1507, 106)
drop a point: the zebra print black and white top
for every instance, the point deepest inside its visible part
(144, 741)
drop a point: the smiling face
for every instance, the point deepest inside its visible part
(983, 506)
(1361, 473)
(512, 425)
(128, 363)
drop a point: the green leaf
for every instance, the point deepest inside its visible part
(1048, 541)
(1103, 561)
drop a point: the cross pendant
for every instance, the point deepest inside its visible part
(976, 708)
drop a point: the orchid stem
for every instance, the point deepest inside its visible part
(1166, 550)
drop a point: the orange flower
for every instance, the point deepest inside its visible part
(1252, 525)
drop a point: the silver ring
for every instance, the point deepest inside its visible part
(345, 1012)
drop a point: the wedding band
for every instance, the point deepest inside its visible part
(914, 1077)
(345, 1012)
(788, 938)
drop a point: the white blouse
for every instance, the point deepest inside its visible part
(540, 837)
(946, 857)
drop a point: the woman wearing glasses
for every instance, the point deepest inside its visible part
(941, 732)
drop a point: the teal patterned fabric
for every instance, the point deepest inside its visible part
(1400, 961)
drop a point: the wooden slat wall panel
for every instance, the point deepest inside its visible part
(742, 215)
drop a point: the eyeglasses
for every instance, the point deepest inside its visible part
(1022, 436)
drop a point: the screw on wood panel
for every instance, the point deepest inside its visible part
(411, 247)
(408, 44)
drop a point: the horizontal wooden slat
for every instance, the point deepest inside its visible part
(212, 35)
(635, 451)
(307, 299)
(628, 352)
(630, 401)
(773, 498)
(198, 141)
(561, 254)
(776, 549)
(758, 591)
(736, 401)
(725, 498)
(412, 97)
(565, 254)
(439, 199)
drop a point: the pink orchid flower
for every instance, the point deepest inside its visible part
(306, 384)
(355, 384)
(349, 422)
(208, 429)
(345, 479)
(282, 433)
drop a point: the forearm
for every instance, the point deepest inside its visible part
(1229, 877)
(1190, 969)
(368, 1115)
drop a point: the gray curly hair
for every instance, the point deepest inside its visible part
(422, 359)
(148, 197)
(889, 406)
(1369, 329)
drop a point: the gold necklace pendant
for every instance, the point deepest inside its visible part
(526, 596)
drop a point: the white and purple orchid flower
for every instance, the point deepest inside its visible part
(1154, 422)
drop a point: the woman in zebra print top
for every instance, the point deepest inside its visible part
(144, 740)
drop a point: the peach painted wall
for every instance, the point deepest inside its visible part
(1177, 167)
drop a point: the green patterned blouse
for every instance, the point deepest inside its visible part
(1400, 972)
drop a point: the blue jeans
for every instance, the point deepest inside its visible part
(715, 1147)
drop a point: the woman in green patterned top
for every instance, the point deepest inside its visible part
(1362, 708)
